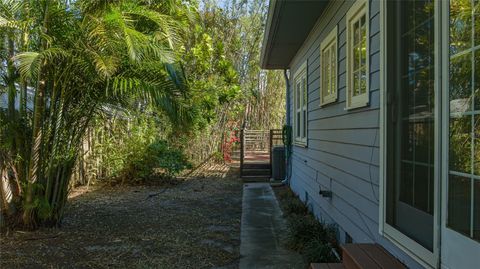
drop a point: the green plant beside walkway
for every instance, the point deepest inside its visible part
(315, 240)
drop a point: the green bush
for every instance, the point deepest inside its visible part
(217, 157)
(157, 159)
(135, 150)
(302, 229)
(312, 238)
(305, 234)
(293, 205)
(171, 160)
(319, 251)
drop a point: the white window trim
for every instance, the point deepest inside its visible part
(330, 40)
(359, 8)
(299, 74)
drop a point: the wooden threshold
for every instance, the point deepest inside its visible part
(363, 256)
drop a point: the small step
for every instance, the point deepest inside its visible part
(326, 266)
(263, 172)
(250, 179)
(368, 256)
(256, 170)
(248, 175)
(256, 165)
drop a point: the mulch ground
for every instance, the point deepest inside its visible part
(195, 224)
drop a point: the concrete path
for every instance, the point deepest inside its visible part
(262, 230)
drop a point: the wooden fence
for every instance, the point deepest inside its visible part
(256, 151)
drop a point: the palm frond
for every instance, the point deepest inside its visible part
(10, 8)
(30, 62)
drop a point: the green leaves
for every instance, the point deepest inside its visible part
(80, 60)
(8, 12)
(181, 75)
(136, 150)
(30, 62)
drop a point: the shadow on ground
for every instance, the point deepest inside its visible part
(195, 224)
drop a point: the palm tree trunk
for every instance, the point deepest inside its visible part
(37, 129)
(35, 152)
(23, 83)
(12, 91)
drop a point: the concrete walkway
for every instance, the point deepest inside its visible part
(261, 232)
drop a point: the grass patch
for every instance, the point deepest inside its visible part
(305, 234)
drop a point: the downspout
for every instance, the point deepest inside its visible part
(287, 97)
(288, 148)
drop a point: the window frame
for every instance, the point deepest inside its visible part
(359, 8)
(330, 41)
(300, 75)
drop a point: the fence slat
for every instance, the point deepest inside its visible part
(257, 144)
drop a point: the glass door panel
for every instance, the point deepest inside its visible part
(460, 228)
(464, 101)
(411, 119)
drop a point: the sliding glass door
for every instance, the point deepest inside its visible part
(461, 222)
(432, 130)
(411, 120)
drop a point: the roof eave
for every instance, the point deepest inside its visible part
(289, 23)
(268, 34)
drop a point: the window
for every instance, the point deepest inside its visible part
(301, 101)
(357, 55)
(464, 129)
(328, 68)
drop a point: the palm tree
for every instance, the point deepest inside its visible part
(82, 57)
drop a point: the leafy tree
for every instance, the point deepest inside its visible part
(81, 58)
(181, 73)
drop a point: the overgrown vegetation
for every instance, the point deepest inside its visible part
(122, 91)
(79, 60)
(130, 149)
(315, 240)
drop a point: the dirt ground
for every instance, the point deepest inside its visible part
(195, 224)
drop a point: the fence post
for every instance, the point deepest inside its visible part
(242, 150)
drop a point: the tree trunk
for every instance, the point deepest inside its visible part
(12, 91)
(37, 136)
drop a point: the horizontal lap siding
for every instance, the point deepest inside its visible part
(343, 151)
(345, 163)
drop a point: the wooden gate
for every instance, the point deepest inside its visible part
(256, 152)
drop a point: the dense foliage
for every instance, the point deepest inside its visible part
(131, 150)
(78, 59)
(123, 89)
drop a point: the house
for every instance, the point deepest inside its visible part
(4, 98)
(384, 102)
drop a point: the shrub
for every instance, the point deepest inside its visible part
(305, 234)
(158, 158)
(295, 206)
(217, 157)
(302, 229)
(171, 160)
(319, 251)
(135, 150)
(312, 238)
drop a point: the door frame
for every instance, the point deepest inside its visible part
(425, 257)
(449, 236)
